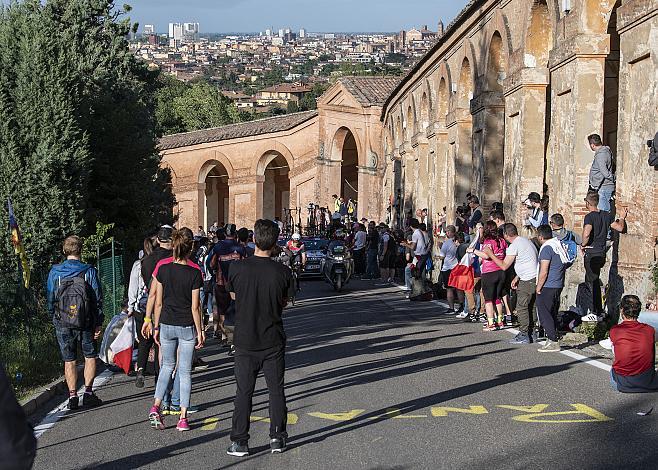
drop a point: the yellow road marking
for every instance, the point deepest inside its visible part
(346, 416)
(472, 410)
(209, 424)
(292, 419)
(579, 409)
(397, 414)
(526, 409)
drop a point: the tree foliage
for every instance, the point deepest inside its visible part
(77, 134)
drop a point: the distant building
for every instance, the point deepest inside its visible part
(176, 31)
(190, 32)
(268, 33)
(281, 33)
(149, 29)
(302, 33)
(282, 94)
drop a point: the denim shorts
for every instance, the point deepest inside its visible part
(68, 340)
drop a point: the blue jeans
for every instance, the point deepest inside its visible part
(181, 339)
(605, 195)
(407, 276)
(172, 394)
(372, 269)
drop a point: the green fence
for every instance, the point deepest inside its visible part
(111, 272)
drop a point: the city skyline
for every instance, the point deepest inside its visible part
(238, 16)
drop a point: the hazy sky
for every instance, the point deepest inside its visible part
(324, 15)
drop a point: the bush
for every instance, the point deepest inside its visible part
(26, 371)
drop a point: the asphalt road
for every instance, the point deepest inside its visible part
(375, 382)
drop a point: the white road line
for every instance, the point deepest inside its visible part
(59, 411)
(574, 355)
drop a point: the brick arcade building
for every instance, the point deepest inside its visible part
(500, 106)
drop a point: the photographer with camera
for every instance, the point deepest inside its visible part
(653, 152)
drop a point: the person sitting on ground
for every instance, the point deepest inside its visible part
(70, 285)
(420, 292)
(634, 368)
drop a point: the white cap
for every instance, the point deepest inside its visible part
(296, 236)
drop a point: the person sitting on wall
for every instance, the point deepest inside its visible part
(634, 368)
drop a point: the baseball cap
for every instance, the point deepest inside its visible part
(165, 233)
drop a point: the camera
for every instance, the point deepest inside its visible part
(649, 143)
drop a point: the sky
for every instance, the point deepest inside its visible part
(224, 16)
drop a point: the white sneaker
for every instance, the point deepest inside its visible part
(592, 318)
(606, 344)
(462, 315)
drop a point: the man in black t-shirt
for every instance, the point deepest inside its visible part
(595, 236)
(162, 251)
(259, 287)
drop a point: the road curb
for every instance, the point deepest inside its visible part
(44, 395)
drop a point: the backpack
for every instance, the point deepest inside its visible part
(74, 306)
(143, 298)
(571, 247)
(221, 263)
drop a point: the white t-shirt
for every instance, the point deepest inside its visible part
(449, 254)
(360, 240)
(419, 240)
(526, 255)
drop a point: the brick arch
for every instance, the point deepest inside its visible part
(413, 119)
(207, 164)
(539, 29)
(596, 14)
(262, 156)
(496, 62)
(443, 94)
(427, 87)
(338, 140)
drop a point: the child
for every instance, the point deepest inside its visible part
(633, 344)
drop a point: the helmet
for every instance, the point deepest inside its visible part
(296, 236)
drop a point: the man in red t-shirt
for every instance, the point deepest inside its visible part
(634, 346)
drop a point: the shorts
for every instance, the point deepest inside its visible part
(444, 278)
(222, 299)
(68, 340)
(493, 286)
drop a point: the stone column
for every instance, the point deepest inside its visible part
(577, 91)
(488, 110)
(460, 125)
(246, 200)
(328, 181)
(525, 138)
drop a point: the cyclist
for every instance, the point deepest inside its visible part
(296, 249)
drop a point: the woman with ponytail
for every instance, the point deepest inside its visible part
(493, 278)
(177, 324)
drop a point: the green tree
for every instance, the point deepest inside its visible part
(77, 134)
(203, 106)
(292, 107)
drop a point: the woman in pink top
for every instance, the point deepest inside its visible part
(493, 278)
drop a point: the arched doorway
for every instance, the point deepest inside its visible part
(611, 85)
(216, 203)
(276, 187)
(349, 172)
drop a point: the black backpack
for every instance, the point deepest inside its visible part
(74, 306)
(653, 152)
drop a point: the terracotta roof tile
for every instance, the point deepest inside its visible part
(370, 91)
(236, 131)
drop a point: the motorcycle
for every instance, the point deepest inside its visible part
(338, 265)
